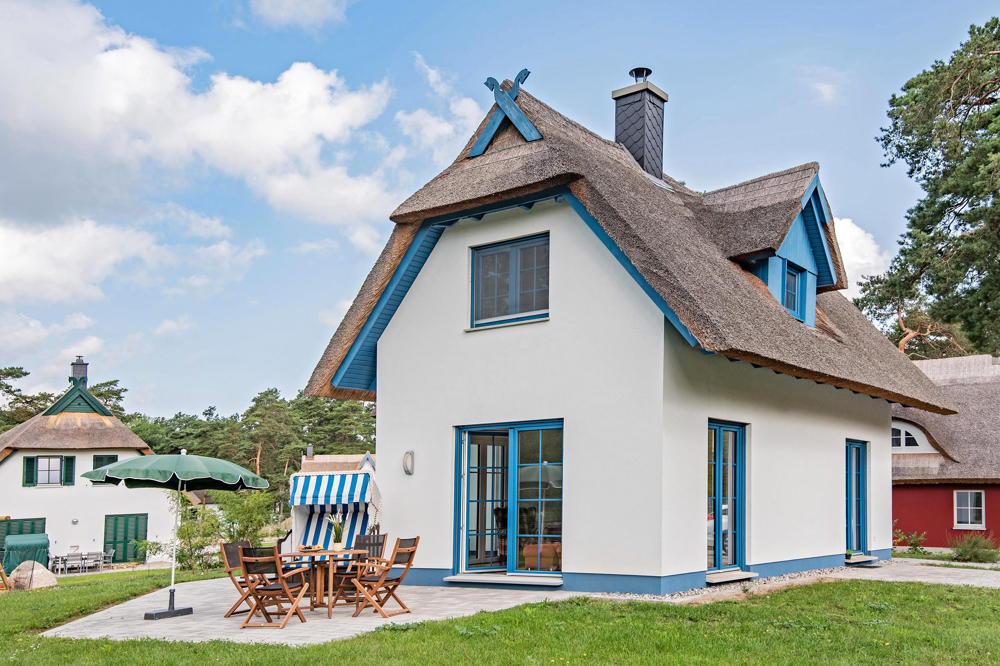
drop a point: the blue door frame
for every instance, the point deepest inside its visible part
(718, 430)
(462, 489)
(857, 496)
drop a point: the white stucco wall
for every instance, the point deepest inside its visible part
(635, 399)
(83, 501)
(796, 434)
(596, 363)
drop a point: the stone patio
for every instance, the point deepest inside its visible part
(212, 598)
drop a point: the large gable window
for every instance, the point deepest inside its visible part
(511, 281)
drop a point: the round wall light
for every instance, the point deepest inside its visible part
(408, 462)
(75, 521)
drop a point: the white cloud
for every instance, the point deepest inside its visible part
(194, 224)
(862, 255)
(19, 332)
(333, 317)
(221, 263)
(87, 110)
(68, 262)
(323, 246)
(174, 326)
(305, 14)
(443, 137)
(826, 83)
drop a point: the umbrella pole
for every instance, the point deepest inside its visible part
(170, 611)
(173, 553)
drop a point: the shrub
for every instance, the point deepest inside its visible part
(974, 547)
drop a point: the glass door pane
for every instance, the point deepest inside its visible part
(539, 500)
(725, 502)
(486, 500)
(856, 497)
(711, 497)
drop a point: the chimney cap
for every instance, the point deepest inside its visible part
(640, 73)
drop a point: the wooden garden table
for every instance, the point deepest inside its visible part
(324, 574)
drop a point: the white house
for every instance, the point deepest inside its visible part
(600, 379)
(41, 489)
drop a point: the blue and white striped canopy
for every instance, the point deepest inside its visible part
(333, 489)
(314, 496)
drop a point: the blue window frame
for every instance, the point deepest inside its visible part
(725, 495)
(504, 466)
(795, 285)
(510, 281)
(857, 497)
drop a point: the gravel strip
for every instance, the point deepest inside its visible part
(727, 587)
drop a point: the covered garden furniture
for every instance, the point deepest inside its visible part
(22, 547)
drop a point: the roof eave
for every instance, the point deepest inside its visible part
(836, 382)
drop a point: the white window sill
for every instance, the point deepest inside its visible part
(981, 528)
(505, 324)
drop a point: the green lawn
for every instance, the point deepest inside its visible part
(855, 622)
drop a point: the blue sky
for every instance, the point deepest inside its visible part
(192, 192)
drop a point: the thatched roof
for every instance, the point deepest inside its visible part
(970, 440)
(335, 463)
(681, 242)
(70, 431)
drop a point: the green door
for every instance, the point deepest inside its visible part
(120, 531)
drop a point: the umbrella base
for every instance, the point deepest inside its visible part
(169, 611)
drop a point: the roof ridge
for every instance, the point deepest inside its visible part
(814, 166)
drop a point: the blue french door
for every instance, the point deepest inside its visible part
(857, 500)
(725, 496)
(511, 516)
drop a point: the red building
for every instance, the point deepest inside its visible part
(946, 469)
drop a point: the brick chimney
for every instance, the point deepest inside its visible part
(639, 121)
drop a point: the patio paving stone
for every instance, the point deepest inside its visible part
(212, 598)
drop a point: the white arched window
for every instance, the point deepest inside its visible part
(908, 438)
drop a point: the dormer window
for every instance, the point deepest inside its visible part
(793, 290)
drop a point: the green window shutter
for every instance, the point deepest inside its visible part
(30, 471)
(69, 470)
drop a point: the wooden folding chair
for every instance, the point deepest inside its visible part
(344, 574)
(3, 579)
(231, 562)
(259, 564)
(373, 583)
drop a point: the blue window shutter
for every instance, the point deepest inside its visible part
(30, 471)
(68, 470)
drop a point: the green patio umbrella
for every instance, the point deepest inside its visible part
(181, 472)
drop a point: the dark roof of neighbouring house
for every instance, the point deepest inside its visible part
(76, 421)
(970, 440)
(681, 243)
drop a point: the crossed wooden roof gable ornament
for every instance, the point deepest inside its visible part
(506, 108)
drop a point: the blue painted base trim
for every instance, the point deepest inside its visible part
(768, 569)
(596, 582)
(587, 582)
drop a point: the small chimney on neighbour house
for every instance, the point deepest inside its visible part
(79, 369)
(639, 121)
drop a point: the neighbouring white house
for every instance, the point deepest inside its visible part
(41, 489)
(591, 376)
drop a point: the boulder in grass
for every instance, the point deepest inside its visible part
(30, 575)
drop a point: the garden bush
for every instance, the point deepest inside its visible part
(974, 547)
